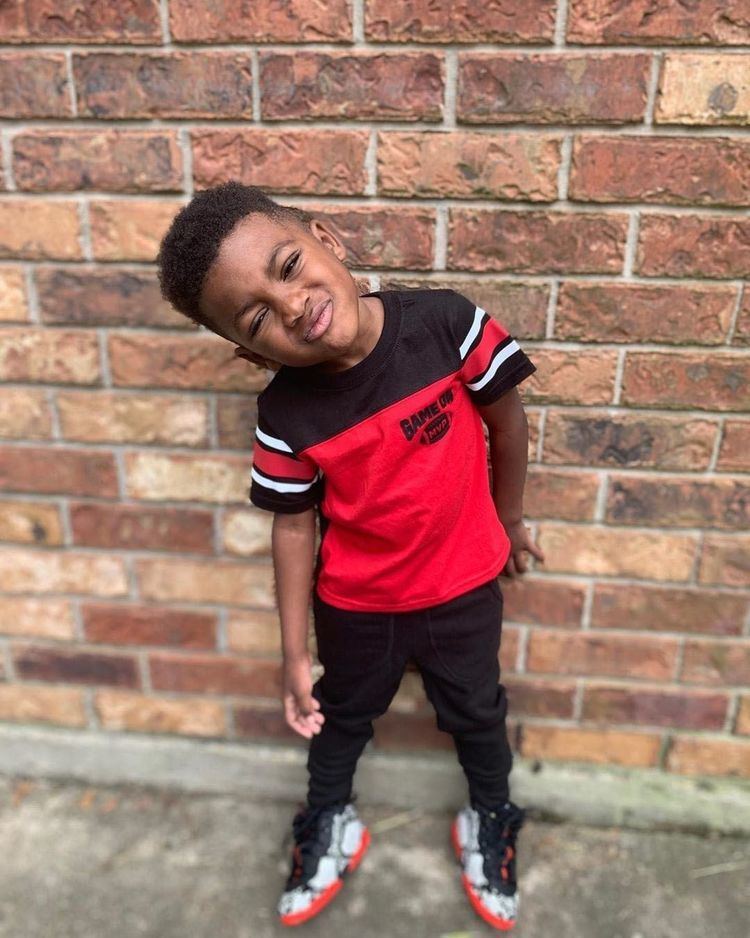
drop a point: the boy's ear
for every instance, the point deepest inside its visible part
(326, 234)
(258, 360)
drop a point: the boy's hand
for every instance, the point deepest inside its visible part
(520, 540)
(301, 709)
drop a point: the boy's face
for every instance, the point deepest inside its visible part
(267, 284)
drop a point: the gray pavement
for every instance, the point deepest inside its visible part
(95, 861)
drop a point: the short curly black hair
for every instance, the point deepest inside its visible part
(191, 244)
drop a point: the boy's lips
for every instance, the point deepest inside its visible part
(320, 319)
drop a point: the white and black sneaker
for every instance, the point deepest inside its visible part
(485, 844)
(329, 843)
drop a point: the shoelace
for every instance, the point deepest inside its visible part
(497, 841)
(311, 833)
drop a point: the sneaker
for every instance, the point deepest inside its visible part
(485, 844)
(330, 841)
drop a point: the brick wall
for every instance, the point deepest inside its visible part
(580, 168)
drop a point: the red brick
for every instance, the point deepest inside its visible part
(665, 609)
(58, 470)
(236, 418)
(607, 747)
(566, 87)
(693, 245)
(607, 551)
(137, 21)
(443, 21)
(743, 716)
(720, 22)
(14, 304)
(61, 571)
(114, 160)
(540, 698)
(654, 706)
(36, 229)
(359, 85)
(25, 703)
(33, 84)
(247, 532)
(291, 21)
(265, 721)
(509, 645)
(723, 663)
(36, 663)
(215, 674)
(602, 654)
(567, 495)
(535, 241)
(30, 523)
(113, 296)
(130, 229)
(622, 312)
(579, 377)
(475, 165)
(409, 732)
(255, 632)
(198, 362)
(47, 618)
(678, 170)
(734, 454)
(377, 237)
(520, 307)
(24, 414)
(204, 84)
(687, 379)
(320, 162)
(177, 420)
(237, 583)
(49, 355)
(601, 438)
(138, 528)
(709, 757)
(543, 602)
(664, 502)
(202, 478)
(703, 89)
(120, 710)
(725, 560)
(742, 327)
(148, 625)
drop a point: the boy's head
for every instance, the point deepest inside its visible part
(258, 273)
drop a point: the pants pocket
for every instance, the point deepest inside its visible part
(465, 633)
(350, 643)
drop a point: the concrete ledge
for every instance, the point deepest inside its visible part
(586, 794)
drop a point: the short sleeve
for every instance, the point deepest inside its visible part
(281, 480)
(492, 361)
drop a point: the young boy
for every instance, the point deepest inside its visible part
(372, 422)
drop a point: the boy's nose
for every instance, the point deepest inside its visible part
(293, 309)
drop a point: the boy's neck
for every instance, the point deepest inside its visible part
(372, 320)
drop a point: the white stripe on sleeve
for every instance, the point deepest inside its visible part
(510, 349)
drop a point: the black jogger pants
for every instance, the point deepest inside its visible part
(455, 647)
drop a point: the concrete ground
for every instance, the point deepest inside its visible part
(84, 861)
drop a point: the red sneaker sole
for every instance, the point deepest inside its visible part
(298, 918)
(503, 924)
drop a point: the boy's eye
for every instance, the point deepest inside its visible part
(291, 263)
(257, 322)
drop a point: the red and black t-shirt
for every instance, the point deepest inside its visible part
(392, 454)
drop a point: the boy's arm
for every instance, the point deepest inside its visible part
(508, 432)
(293, 550)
